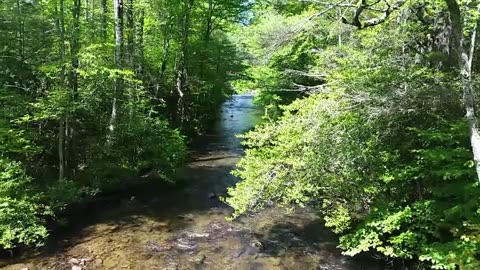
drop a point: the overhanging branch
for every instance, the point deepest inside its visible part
(363, 5)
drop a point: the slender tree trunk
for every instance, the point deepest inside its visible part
(103, 5)
(130, 33)
(209, 24)
(465, 55)
(86, 10)
(20, 31)
(167, 36)
(181, 84)
(139, 54)
(339, 16)
(130, 52)
(73, 81)
(117, 91)
(92, 12)
(61, 149)
(61, 128)
(165, 53)
(206, 37)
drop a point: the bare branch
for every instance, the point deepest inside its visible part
(355, 21)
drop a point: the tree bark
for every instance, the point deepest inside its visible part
(465, 56)
(73, 83)
(61, 128)
(117, 91)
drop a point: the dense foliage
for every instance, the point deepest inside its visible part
(370, 111)
(376, 139)
(96, 93)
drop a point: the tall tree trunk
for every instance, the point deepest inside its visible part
(73, 82)
(130, 51)
(181, 84)
(86, 10)
(103, 5)
(209, 23)
(167, 36)
(139, 54)
(20, 31)
(61, 128)
(118, 55)
(206, 37)
(465, 55)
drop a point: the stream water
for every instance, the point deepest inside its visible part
(185, 228)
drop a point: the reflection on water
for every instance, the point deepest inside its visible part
(185, 227)
(237, 116)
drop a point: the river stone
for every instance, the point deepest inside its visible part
(83, 261)
(199, 259)
(196, 235)
(74, 261)
(76, 267)
(185, 245)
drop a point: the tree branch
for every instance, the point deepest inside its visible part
(355, 21)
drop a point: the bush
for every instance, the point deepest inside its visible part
(22, 215)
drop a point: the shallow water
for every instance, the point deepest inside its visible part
(185, 228)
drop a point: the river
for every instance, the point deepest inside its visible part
(185, 227)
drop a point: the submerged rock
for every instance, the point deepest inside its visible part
(199, 259)
(74, 261)
(185, 245)
(196, 235)
(156, 247)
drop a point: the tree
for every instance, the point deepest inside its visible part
(378, 144)
(464, 33)
(89, 98)
(118, 58)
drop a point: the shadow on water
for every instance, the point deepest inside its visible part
(313, 239)
(157, 225)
